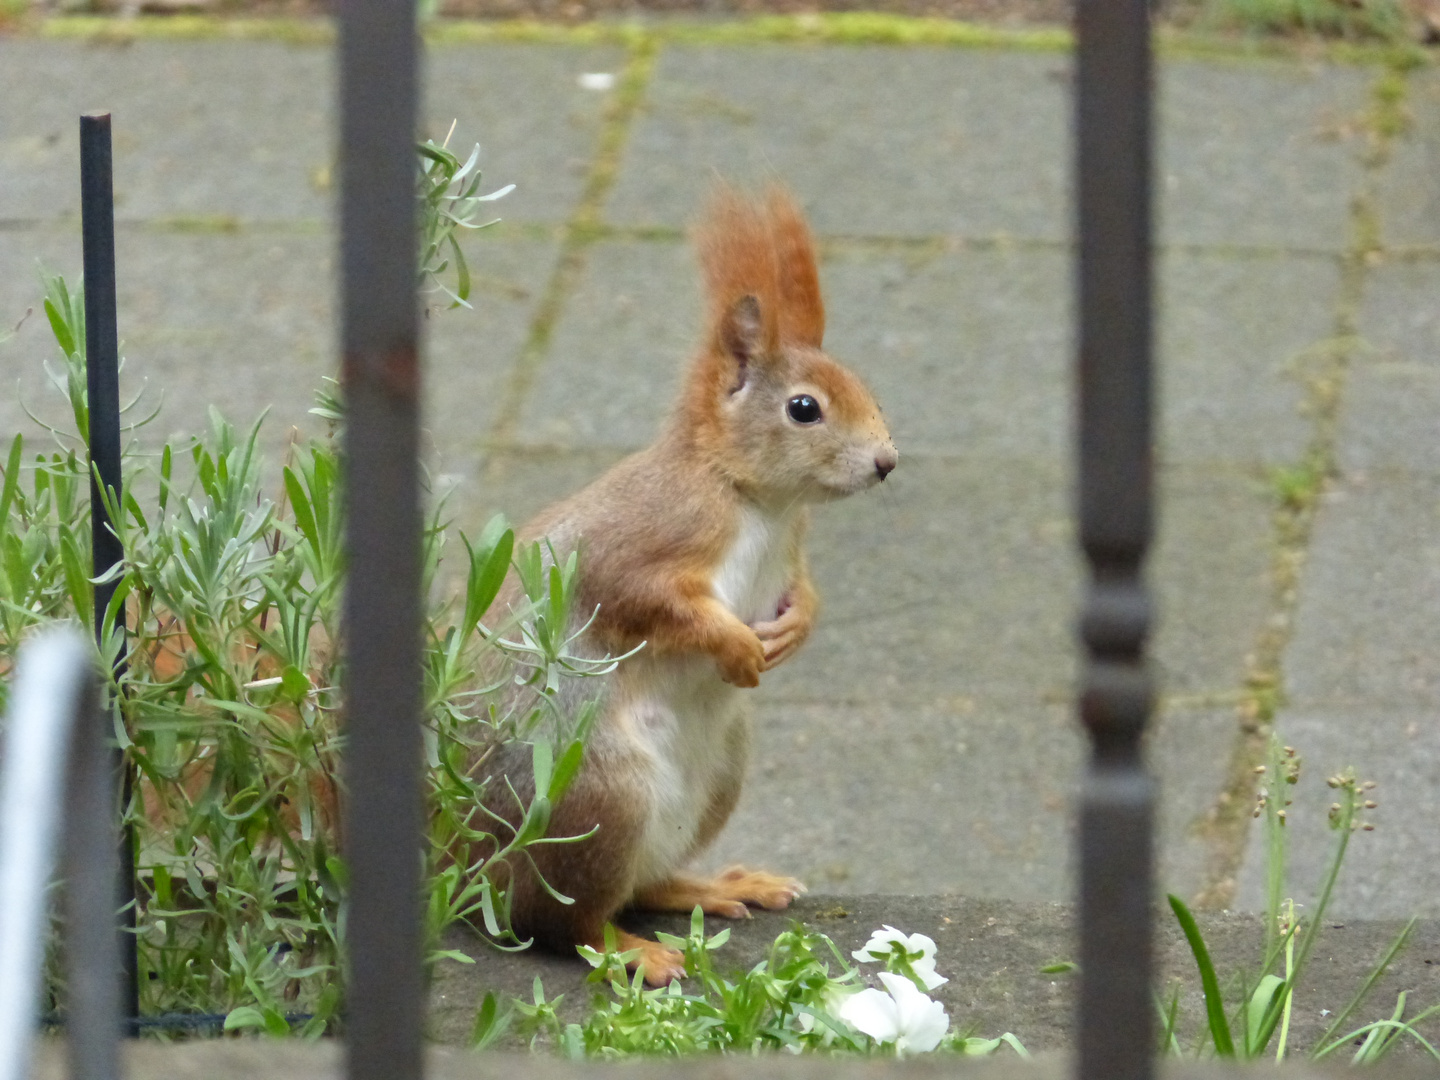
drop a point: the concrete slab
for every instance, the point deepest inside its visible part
(846, 795)
(1389, 873)
(901, 142)
(211, 130)
(1230, 332)
(1400, 316)
(243, 130)
(967, 143)
(1391, 418)
(1365, 631)
(1281, 176)
(616, 356)
(992, 953)
(883, 797)
(966, 582)
(536, 127)
(967, 350)
(1409, 189)
(243, 320)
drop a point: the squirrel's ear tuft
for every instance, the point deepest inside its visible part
(738, 257)
(802, 311)
(742, 336)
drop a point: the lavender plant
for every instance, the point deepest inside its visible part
(228, 702)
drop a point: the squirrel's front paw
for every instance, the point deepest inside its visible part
(783, 635)
(741, 660)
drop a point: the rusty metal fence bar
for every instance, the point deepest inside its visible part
(381, 680)
(1113, 89)
(102, 377)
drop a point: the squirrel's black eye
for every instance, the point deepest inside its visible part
(803, 409)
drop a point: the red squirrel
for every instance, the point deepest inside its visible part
(695, 548)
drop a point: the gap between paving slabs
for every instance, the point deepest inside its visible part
(1298, 486)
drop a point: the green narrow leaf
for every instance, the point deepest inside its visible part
(60, 329)
(166, 464)
(542, 760)
(300, 507)
(1257, 1008)
(557, 600)
(246, 1016)
(1214, 1004)
(163, 892)
(462, 272)
(565, 770)
(537, 820)
(490, 1022)
(12, 477)
(487, 911)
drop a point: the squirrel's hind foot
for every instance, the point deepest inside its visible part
(660, 963)
(729, 895)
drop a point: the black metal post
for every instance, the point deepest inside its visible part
(92, 946)
(1116, 1039)
(382, 681)
(102, 373)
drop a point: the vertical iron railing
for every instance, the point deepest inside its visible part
(1113, 88)
(102, 373)
(382, 681)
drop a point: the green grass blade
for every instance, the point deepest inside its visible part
(1214, 1004)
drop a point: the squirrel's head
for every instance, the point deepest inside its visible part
(783, 419)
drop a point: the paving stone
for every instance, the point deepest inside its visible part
(214, 129)
(1389, 873)
(965, 143)
(968, 351)
(243, 320)
(1399, 316)
(536, 127)
(243, 130)
(1391, 418)
(616, 356)
(1231, 331)
(901, 142)
(1409, 187)
(1365, 629)
(973, 798)
(1278, 176)
(966, 580)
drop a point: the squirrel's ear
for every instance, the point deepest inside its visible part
(741, 333)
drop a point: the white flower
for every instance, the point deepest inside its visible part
(902, 1015)
(919, 949)
(596, 80)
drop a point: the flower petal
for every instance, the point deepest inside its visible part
(879, 945)
(922, 1023)
(873, 1013)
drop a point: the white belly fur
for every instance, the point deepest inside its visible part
(682, 717)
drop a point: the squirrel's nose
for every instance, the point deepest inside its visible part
(885, 463)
